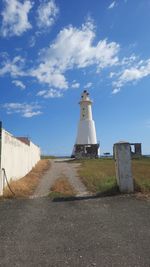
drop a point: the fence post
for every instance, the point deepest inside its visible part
(122, 154)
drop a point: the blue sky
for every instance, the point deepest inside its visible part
(50, 51)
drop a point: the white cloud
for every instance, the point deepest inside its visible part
(112, 74)
(45, 73)
(51, 93)
(47, 13)
(80, 53)
(88, 85)
(116, 91)
(75, 84)
(26, 110)
(54, 61)
(19, 84)
(13, 67)
(32, 41)
(133, 74)
(41, 93)
(15, 18)
(112, 5)
(128, 61)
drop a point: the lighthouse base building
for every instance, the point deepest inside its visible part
(86, 151)
(86, 145)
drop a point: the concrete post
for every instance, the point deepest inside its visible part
(122, 155)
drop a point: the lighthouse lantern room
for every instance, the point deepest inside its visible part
(86, 145)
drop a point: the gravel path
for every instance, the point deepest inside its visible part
(59, 169)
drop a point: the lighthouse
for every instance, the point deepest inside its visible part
(86, 145)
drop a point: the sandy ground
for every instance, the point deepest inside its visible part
(60, 169)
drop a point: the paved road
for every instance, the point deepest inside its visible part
(59, 169)
(110, 231)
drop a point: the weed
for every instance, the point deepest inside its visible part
(61, 188)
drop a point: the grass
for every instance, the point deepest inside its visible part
(141, 174)
(61, 188)
(25, 186)
(99, 176)
(47, 157)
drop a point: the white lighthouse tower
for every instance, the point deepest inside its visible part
(86, 143)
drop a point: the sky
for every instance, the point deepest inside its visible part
(52, 50)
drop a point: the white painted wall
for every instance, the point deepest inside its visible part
(17, 158)
(86, 133)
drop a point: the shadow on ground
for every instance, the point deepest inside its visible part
(85, 197)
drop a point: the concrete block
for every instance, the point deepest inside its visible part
(122, 155)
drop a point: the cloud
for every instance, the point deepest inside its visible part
(133, 74)
(48, 74)
(51, 93)
(129, 61)
(116, 91)
(26, 110)
(32, 41)
(75, 84)
(47, 13)
(15, 18)
(13, 67)
(41, 93)
(88, 85)
(112, 5)
(56, 60)
(19, 84)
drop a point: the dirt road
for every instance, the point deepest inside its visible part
(60, 168)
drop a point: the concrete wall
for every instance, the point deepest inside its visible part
(17, 158)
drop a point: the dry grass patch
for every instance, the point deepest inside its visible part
(25, 186)
(62, 188)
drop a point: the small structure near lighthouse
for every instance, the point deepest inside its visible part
(86, 145)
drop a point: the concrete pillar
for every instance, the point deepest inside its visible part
(122, 155)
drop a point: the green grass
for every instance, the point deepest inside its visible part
(56, 195)
(141, 174)
(99, 176)
(47, 157)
